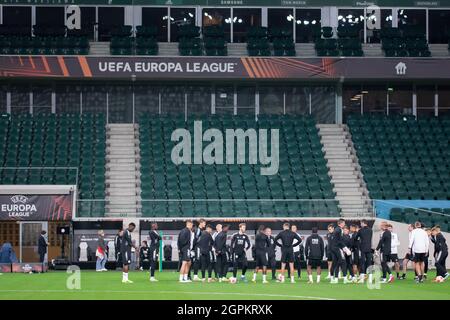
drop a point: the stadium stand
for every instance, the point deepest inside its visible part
(403, 158)
(214, 41)
(45, 40)
(347, 44)
(282, 41)
(302, 174)
(189, 43)
(42, 149)
(429, 216)
(258, 42)
(404, 42)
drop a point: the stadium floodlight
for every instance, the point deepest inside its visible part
(299, 21)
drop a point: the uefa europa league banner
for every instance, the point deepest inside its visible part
(222, 68)
(36, 207)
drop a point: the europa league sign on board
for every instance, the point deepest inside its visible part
(36, 207)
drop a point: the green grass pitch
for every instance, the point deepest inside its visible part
(108, 285)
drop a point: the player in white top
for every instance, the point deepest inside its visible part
(395, 243)
(419, 244)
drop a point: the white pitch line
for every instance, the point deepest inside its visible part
(172, 292)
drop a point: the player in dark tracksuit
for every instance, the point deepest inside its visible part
(262, 244)
(118, 248)
(196, 258)
(328, 251)
(154, 239)
(364, 238)
(125, 251)
(440, 252)
(314, 251)
(288, 240)
(184, 247)
(348, 241)
(220, 247)
(336, 247)
(204, 245)
(240, 243)
(384, 246)
(271, 253)
(355, 248)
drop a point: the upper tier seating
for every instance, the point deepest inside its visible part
(302, 173)
(50, 140)
(402, 158)
(348, 42)
(214, 41)
(46, 40)
(123, 43)
(404, 42)
(189, 43)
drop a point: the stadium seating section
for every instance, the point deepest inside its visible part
(428, 216)
(189, 43)
(46, 141)
(404, 42)
(282, 41)
(348, 42)
(214, 41)
(45, 40)
(302, 173)
(402, 158)
(145, 43)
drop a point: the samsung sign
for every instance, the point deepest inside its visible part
(166, 67)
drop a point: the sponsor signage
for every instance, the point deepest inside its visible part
(36, 207)
(238, 3)
(226, 68)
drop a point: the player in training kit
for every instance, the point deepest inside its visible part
(364, 238)
(196, 259)
(394, 250)
(348, 263)
(184, 248)
(262, 244)
(314, 251)
(271, 252)
(154, 239)
(355, 248)
(125, 251)
(337, 251)
(440, 252)
(118, 248)
(240, 243)
(409, 255)
(288, 241)
(220, 247)
(384, 247)
(419, 244)
(205, 252)
(298, 253)
(328, 251)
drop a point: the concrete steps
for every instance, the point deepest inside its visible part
(99, 48)
(344, 171)
(122, 175)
